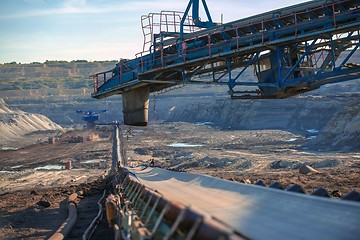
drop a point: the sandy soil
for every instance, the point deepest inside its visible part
(19, 128)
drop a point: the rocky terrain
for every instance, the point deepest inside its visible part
(34, 184)
(343, 130)
(243, 155)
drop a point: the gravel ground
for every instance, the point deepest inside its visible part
(33, 200)
(243, 155)
(237, 155)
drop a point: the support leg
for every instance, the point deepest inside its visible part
(136, 106)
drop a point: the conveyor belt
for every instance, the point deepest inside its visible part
(235, 45)
(290, 51)
(257, 212)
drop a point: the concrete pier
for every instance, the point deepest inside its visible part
(136, 106)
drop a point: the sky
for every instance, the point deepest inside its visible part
(94, 30)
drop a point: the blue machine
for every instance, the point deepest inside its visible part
(90, 117)
(291, 50)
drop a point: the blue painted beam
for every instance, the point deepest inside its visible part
(279, 29)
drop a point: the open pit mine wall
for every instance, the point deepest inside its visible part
(294, 114)
(337, 121)
(48, 70)
(343, 129)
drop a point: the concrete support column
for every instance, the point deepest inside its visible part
(136, 106)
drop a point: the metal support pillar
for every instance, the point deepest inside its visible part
(136, 106)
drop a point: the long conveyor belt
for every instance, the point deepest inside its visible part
(257, 212)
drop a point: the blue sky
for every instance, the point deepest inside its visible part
(40, 30)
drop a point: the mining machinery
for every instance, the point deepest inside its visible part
(291, 50)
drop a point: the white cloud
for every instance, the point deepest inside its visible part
(74, 3)
(143, 7)
(112, 34)
(84, 7)
(55, 11)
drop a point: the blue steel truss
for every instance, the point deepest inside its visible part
(291, 50)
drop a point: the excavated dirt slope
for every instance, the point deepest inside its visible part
(342, 132)
(330, 123)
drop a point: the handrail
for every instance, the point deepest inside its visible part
(278, 29)
(239, 39)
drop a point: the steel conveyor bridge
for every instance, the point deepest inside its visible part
(291, 50)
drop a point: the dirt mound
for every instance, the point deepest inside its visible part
(16, 124)
(3, 107)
